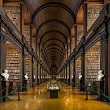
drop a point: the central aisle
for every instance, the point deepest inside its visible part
(69, 99)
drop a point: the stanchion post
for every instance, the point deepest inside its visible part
(19, 92)
(86, 92)
(33, 86)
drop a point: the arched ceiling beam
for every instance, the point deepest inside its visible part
(53, 4)
(53, 57)
(51, 53)
(53, 39)
(54, 45)
(51, 32)
(59, 54)
(53, 21)
(50, 60)
(52, 49)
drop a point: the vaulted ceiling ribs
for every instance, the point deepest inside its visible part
(53, 21)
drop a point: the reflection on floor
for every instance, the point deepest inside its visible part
(69, 99)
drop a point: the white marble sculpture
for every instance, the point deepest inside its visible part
(100, 75)
(34, 76)
(80, 76)
(5, 75)
(26, 76)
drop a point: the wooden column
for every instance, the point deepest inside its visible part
(2, 53)
(75, 27)
(23, 68)
(66, 75)
(109, 66)
(1, 2)
(84, 19)
(69, 73)
(36, 46)
(74, 71)
(39, 50)
(40, 74)
(82, 81)
(21, 18)
(104, 64)
(37, 73)
(67, 51)
(31, 37)
(70, 45)
(104, 59)
(32, 67)
(106, 1)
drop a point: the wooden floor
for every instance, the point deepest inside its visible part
(69, 99)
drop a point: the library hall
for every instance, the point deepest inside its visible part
(54, 55)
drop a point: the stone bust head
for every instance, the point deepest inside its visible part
(100, 75)
(26, 76)
(5, 74)
(80, 76)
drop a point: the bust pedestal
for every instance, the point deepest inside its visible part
(26, 83)
(100, 85)
(5, 84)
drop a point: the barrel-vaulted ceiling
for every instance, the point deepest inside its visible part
(53, 20)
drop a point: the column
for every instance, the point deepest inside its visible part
(40, 74)
(23, 70)
(37, 73)
(74, 72)
(104, 60)
(3, 83)
(36, 46)
(104, 66)
(39, 49)
(82, 81)
(69, 81)
(106, 1)
(2, 53)
(32, 67)
(109, 66)
(70, 45)
(75, 27)
(67, 51)
(84, 19)
(31, 35)
(21, 18)
(1, 2)
(66, 75)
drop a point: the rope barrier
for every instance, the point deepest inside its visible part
(16, 88)
(92, 88)
(4, 89)
(8, 93)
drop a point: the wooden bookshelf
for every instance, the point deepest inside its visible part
(34, 43)
(93, 11)
(35, 69)
(92, 63)
(78, 70)
(28, 67)
(79, 33)
(13, 13)
(27, 33)
(12, 62)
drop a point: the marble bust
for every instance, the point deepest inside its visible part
(26, 76)
(34, 76)
(80, 76)
(100, 75)
(5, 75)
